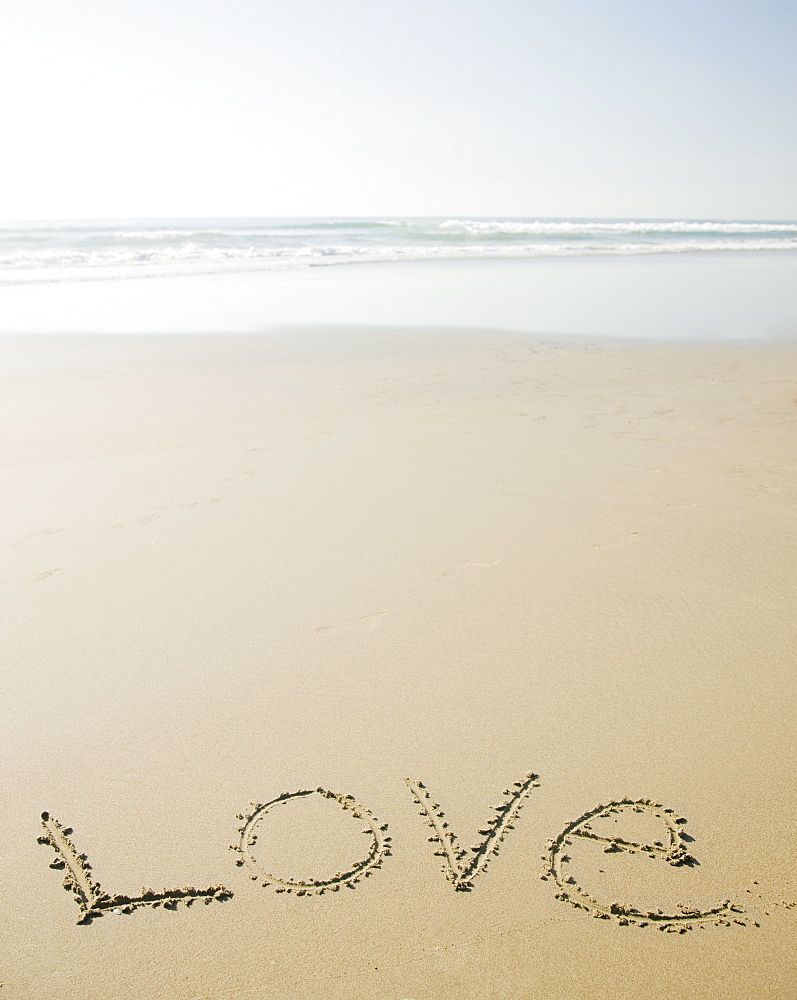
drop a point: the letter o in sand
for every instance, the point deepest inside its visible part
(379, 847)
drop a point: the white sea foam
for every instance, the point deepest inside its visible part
(45, 252)
(576, 227)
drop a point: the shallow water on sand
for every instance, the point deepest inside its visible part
(739, 296)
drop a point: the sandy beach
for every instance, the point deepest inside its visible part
(253, 585)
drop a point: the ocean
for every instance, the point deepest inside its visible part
(71, 251)
(586, 277)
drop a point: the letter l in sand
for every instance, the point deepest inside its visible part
(91, 898)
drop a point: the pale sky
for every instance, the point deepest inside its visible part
(148, 108)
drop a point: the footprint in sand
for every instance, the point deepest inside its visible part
(621, 541)
(247, 473)
(372, 621)
(147, 519)
(36, 534)
(47, 574)
(364, 624)
(201, 503)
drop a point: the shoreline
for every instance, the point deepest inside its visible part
(677, 296)
(207, 271)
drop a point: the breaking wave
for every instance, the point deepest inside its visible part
(70, 251)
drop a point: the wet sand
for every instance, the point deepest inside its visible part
(397, 663)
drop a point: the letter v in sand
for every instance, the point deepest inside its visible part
(92, 899)
(460, 867)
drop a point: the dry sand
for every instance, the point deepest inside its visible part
(239, 567)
